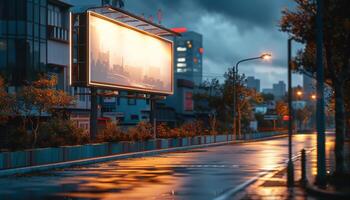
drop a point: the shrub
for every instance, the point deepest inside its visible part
(191, 129)
(143, 131)
(60, 132)
(15, 139)
(112, 133)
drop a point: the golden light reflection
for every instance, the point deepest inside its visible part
(124, 57)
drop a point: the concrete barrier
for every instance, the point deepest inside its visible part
(220, 138)
(115, 148)
(185, 142)
(207, 139)
(2, 166)
(18, 159)
(43, 156)
(46, 155)
(134, 147)
(150, 145)
(77, 152)
(97, 150)
(164, 143)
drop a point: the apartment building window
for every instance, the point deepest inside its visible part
(81, 95)
(131, 101)
(134, 117)
(57, 19)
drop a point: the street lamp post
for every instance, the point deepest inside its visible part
(290, 167)
(264, 56)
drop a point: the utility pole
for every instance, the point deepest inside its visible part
(153, 115)
(290, 167)
(321, 160)
(93, 113)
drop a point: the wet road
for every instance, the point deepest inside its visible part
(197, 174)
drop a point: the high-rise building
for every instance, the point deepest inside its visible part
(309, 86)
(188, 61)
(279, 89)
(188, 67)
(253, 83)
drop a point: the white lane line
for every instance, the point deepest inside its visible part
(242, 186)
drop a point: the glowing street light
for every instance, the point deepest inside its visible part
(264, 56)
(313, 97)
(299, 93)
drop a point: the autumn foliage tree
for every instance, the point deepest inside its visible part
(38, 99)
(5, 103)
(300, 24)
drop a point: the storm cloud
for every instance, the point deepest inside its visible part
(232, 30)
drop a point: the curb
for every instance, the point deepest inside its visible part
(46, 167)
(313, 190)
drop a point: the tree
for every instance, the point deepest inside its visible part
(245, 98)
(268, 97)
(303, 115)
(300, 24)
(5, 103)
(208, 100)
(40, 98)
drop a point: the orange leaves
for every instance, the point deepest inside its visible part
(43, 96)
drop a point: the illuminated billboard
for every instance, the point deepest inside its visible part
(123, 57)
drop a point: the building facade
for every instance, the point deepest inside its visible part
(278, 90)
(188, 57)
(34, 39)
(188, 70)
(253, 83)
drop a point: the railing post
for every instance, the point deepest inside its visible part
(303, 167)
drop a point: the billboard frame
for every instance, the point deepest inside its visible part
(93, 84)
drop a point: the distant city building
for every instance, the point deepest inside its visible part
(188, 57)
(253, 83)
(278, 90)
(309, 86)
(267, 91)
(188, 66)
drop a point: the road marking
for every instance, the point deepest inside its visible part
(240, 187)
(231, 192)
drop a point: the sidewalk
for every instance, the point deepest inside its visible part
(274, 185)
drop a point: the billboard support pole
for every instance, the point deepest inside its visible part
(152, 116)
(93, 113)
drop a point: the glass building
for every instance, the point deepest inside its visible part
(23, 39)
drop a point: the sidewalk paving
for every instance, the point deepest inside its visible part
(274, 185)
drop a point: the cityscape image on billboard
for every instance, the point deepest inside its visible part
(125, 58)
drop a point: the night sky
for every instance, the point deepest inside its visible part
(232, 30)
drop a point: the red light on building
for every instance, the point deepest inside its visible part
(286, 118)
(179, 30)
(201, 50)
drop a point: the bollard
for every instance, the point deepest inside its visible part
(303, 167)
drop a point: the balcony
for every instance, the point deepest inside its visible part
(58, 34)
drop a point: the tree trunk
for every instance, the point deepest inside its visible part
(340, 128)
(239, 123)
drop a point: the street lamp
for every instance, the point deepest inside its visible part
(290, 166)
(314, 97)
(300, 93)
(264, 56)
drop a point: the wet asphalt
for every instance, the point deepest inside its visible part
(204, 173)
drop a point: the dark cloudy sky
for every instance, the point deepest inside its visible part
(232, 30)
